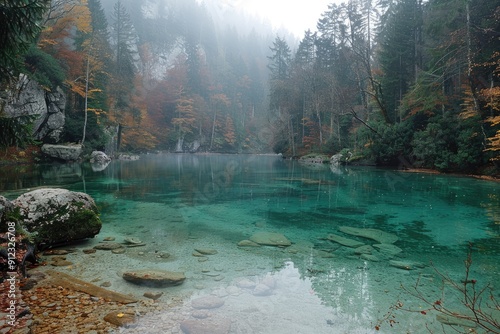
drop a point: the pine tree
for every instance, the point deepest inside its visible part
(19, 27)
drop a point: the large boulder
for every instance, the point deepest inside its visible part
(99, 161)
(57, 216)
(62, 152)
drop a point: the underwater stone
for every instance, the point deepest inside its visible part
(206, 326)
(108, 246)
(207, 302)
(247, 243)
(388, 248)
(154, 277)
(370, 233)
(345, 241)
(270, 239)
(206, 251)
(366, 249)
(132, 240)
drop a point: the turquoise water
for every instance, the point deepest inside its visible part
(175, 203)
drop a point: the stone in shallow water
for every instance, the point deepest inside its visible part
(344, 241)
(370, 233)
(366, 249)
(370, 257)
(154, 277)
(207, 302)
(108, 245)
(206, 326)
(247, 243)
(388, 248)
(153, 295)
(270, 239)
(132, 240)
(206, 251)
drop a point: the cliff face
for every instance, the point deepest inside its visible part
(48, 107)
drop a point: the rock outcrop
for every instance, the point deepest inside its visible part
(57, 216)
(30, 99)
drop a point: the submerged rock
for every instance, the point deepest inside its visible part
(154, 277)
(206, 251)
(270, 239)
(132, 240)
(206, 326)
(207, 302)
(247, 243)
(366, 249)
(344, 241)
(108, 246)
(370, 233)
(388, 248)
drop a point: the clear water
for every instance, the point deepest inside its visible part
(176, 203)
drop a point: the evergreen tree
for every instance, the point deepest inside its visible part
(398, 54)
(19, 27)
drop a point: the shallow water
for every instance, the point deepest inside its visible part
(177, 202)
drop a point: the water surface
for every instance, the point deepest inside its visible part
(178, 202)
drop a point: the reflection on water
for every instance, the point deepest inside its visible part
(177, 202)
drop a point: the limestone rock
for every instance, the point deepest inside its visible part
(344, 241)
(207, 302)
(370, 233)
(206, 326)
(388, 248)
(62, 152)
(370, 257)
(47, 108)
(247, 243)
(154, 277)
(108, 246)
(99, 157)
(366, 249)
(58, 216)
(153, 295)
(132, 240)
(206, 251)
(270, 239)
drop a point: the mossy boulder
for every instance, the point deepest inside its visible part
(57, 216)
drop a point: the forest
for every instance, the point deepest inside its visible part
(385, 82)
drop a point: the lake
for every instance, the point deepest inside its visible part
(176, 203)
